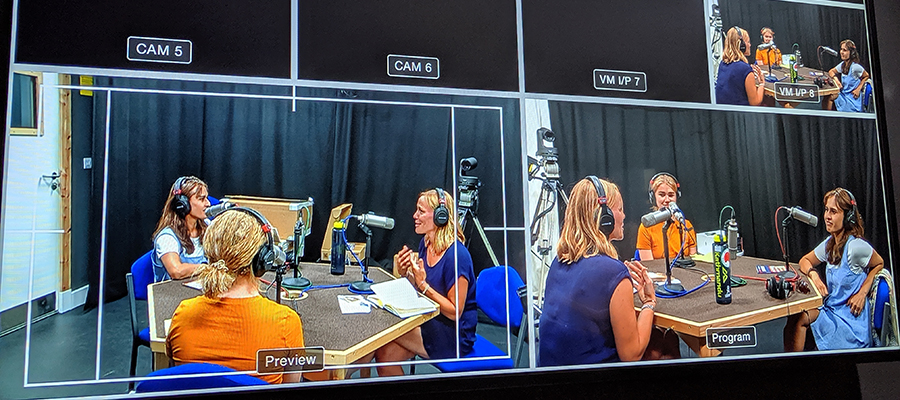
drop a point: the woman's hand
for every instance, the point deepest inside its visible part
(758, 75)
(403, 260)
(641, 282)
(857, 302)
(856, 92)
(823, 290)
(418, 273)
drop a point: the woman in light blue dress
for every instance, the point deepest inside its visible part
(851, 266)
(178, 239)
(852, 82)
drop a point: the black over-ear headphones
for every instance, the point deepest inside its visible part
(181, 203)
(269, 256)
(654, 178)
(850, 215)
(778, 287)
(607, 220)
(853, 52)
(441, 213)
(741, 45)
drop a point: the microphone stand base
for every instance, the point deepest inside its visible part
(787, 274)
(361, 287)
(670, 289)
(296, 283)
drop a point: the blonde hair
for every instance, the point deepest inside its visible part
(443, 235)
(666, 179)
(231, 243)
(190, 187)
(732, 49)
(762, 32)
(581, 236)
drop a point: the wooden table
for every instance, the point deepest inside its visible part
(807, 79)
(346, 338)
(692, 314)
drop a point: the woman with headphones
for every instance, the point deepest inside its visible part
(665, 189)
(852, 80)
(851, 265)
(177, 241)
(771, 55)
(737, 81)
(241, 247)
(442, 270)
(588, 314)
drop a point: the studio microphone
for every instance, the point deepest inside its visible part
(829, 50)
(213, 211)
(801, 215)
(660, 215)
(376, 221)
(765, 46)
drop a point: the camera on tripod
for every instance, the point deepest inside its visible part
(468, 185)
(548, 156)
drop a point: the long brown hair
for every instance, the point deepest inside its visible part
(231, 244)
(581, 236)
(190, 186)
(854, 56)
(835, 246)
(444, 235)
(732, 49)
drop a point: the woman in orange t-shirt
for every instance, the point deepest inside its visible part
(664, 189)
(231, 321)
(770, 55)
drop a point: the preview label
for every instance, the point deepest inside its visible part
(301, 359)
(413, 67)
(723, 338)
(629, 81)
(796, 92)
(160, 50)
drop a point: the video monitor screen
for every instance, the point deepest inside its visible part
(308, 194)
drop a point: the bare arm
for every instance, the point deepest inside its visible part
(862, 83)
(755, 86)
(631, 332)
(807, 264)
(646, 255)
(176, 268)
(449, 302)
(857, 301)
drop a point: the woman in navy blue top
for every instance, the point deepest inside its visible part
(738, 82)
(588, 314)
(442, 270)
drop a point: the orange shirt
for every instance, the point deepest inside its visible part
(766, 57)
(651, 239)
(229, 331)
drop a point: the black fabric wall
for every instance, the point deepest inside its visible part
(376, 156)
(754, 162)
(808, 25)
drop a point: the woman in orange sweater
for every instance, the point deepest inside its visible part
(231, 321)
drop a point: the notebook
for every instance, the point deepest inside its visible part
(400, 298)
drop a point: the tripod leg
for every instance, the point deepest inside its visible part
(485, 239)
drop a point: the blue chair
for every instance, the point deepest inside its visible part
(492, 293)
(883, 322)
(867, 97)
(179, 382)
(137, 280)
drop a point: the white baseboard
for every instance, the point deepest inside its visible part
(70, 299)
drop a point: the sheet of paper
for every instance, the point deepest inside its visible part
(195, 284)
(353, 304)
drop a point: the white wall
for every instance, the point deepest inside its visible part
(31, 204)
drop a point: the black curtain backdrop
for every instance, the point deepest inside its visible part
(376, 156)
(753, 162)
(808, 25)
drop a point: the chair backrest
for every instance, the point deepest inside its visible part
(142, 272)
(867, 96)
(129, 283)
(200, 382)
(492, 293)
(882, 297)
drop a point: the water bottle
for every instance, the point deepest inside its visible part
(794, 69)
(722, 263)
(338, 249)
